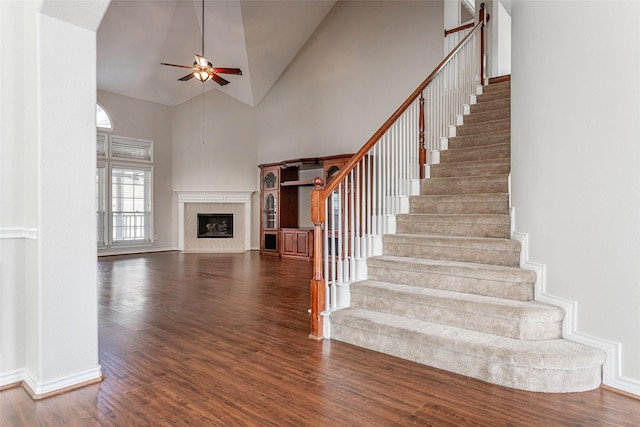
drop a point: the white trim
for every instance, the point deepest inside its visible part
(15, 376)
(46, 387)
(140, 250)
(18, 233)
(239, 197)
(612, 368)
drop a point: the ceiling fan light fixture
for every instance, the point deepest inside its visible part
(203, 76)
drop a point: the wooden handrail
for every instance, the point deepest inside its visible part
(335, 181)
(460, 28)
(319, 194)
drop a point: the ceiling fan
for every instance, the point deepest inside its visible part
(203, 70)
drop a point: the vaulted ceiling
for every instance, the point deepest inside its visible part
(261, 37)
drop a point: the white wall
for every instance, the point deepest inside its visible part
(12, 230)
(135, 118)
(575, 157)
(356, 69)
(227, 159)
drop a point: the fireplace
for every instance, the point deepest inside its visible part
(235, 203)
(215, 225)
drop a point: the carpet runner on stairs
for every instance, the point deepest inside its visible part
(448, 291)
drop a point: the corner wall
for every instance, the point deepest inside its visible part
(352, 74)
(575, 157)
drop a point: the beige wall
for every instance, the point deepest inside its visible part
(575, 154)
(362, 62)
(226, 160)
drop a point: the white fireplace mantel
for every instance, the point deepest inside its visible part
(239, 197)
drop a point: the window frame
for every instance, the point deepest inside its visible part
(135, 166)
(134, 162)
(100, 108)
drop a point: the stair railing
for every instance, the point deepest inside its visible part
(355, 207)
(454, 35)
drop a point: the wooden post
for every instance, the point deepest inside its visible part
(317, 282)
(422, 151)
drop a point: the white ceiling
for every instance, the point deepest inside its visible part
(261, 37)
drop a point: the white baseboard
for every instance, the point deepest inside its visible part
(133, 251)
(41, 389)
(612, 368)
(14, 376)
(44, 388)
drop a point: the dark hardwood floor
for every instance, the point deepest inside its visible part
(221, 340)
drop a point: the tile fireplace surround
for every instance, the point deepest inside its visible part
(210, 199)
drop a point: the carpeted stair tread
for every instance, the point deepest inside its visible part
(466, 184)
(473, 225)
(497, 104)
(486, 139)
(552, 366)
(529, 320)
(494, 95)
(487, 116)
(496, 87)
(454, 248)
(468, 154)
(492, 203)
(484, 127)
(474, 278)
(471, 168)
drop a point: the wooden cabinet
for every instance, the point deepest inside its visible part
(297, 243)
(283, 210)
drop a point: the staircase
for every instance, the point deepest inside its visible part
(448, 291)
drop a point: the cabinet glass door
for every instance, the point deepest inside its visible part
(270, 181)
(269, 211)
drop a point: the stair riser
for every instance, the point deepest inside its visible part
(417, 348)
(467, 186)
(502, 151)
(487, 116)
(455, 229)
(454, 169)
(484, 256)
(474, 317)
(470, 141)
(438, 280)
(482, 128)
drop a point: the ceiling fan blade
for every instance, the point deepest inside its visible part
(236, 71)
(216, 78)
(185, 78)
(174, 65)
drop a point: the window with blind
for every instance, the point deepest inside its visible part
(124, 208)
(130, 204)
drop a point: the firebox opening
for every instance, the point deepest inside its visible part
(214, 225)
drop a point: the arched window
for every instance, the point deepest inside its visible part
(103, 121)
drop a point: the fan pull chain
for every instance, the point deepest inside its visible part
(202, 113)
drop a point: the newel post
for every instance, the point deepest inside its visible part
(317, 282)
(481, 18)
(422, 151)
